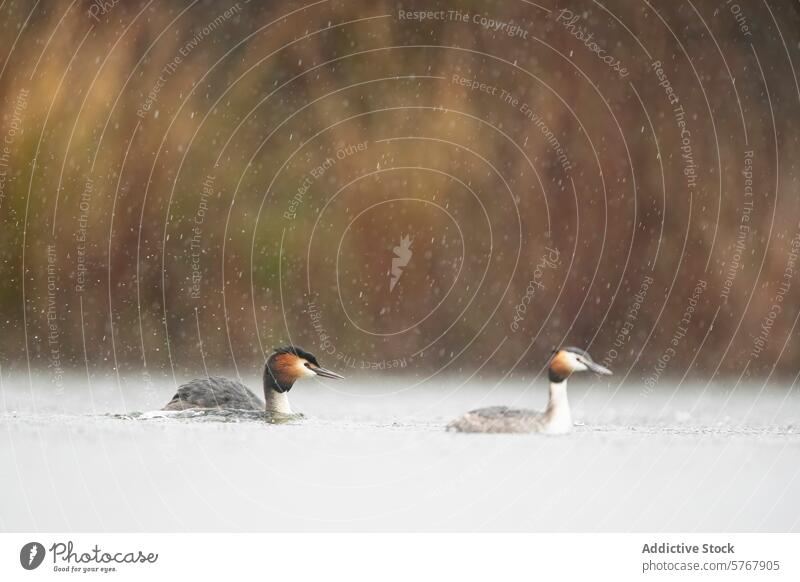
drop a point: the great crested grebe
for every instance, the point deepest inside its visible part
(285, 366)
(556, 419)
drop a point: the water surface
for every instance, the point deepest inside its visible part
(372, 455)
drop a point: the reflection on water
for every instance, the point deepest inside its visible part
(213, 415)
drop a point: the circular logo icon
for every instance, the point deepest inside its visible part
(31, 555)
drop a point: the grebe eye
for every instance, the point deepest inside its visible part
(307, 365)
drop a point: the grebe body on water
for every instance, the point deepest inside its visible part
(555, 419)
(282, 369)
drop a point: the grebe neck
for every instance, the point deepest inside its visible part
(276, 392)
(277, 401)
(558, 416)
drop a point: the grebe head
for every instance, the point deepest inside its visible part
(568, 360)
(288, 364)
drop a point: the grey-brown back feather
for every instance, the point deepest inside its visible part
(214, 392)
(498, 419)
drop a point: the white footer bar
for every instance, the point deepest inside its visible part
(401, 557)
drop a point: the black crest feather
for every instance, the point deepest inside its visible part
(299, 352)
(578, 351)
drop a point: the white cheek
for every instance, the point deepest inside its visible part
(575, 364)
(303, 372)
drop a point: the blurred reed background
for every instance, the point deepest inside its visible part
(187, 184)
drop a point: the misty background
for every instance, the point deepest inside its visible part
(186, 185)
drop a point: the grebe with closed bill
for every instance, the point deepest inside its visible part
(556, 418)
(282, 369)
